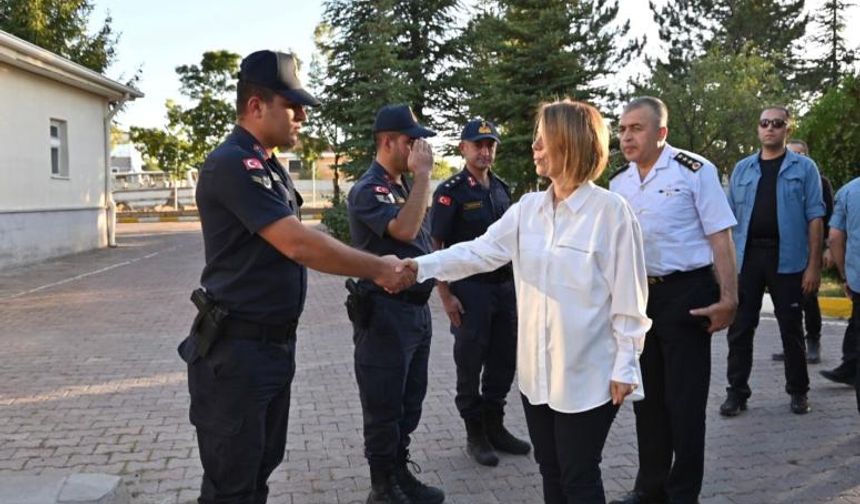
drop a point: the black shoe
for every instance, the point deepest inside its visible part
(499, 436)
(478, 445)
(813, 351)
(778, 357)
(633, 497)
(839, 375)
(385, 489)
(799, 404)
(733, 406)
(415, 490)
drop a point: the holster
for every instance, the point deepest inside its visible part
(207, 326)
(359, 304)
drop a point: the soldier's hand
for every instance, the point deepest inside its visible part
(420, 161)
(453, 308)
(811, 280)
(396, 275)
(619, 391)
(827, 259)
(721, 314)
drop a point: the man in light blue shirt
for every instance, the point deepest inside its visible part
(845, 248)
(777, 200)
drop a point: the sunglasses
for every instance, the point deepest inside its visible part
(776, 123)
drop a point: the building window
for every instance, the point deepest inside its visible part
(59, 149)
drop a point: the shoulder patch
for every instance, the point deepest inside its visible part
(444, 200)
(381, 189)
(252, 164)
(619, 171)
(688, 162)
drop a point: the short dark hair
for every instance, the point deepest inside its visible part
(781, 108)
(245, 90)
(655, 104)
(798, 141)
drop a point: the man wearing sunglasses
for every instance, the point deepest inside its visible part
(777, 199)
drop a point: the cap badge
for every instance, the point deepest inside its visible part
(484, 129)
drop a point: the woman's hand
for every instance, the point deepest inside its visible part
(619, 391)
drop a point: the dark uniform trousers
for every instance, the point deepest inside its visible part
(676, 374)
(851, 345)
(240, 402)
(758, 272)
(485, 345)
(812, 316)
(391, 358)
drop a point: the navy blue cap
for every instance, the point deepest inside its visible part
(276, 71)
(400, 118)
(479, 129)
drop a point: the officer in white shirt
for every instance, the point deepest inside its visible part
(686, 227)
(579, 272)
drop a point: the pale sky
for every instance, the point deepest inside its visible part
(159, 35)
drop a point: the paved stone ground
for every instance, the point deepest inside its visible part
(90, 382)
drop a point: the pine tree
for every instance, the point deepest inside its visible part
(837, 59)
(516, 54)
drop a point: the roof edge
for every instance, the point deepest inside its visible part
(32, 58)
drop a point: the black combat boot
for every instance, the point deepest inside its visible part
(416, 491)
(384, 488)
(478, 445)
(499, 436)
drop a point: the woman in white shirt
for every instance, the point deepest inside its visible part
(582, 291)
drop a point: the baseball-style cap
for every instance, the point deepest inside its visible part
(479, 129)
(400, 118)
(277, 71)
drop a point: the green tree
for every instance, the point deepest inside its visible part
(194, 131)
(60, 26)
(442, 169)
(516, 54)
(828, 129)
(714, 110)
(837, 58)
(684, 28)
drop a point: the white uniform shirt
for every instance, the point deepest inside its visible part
(677, 209)
(581, 289)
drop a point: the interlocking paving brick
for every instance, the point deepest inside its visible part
(90, 382)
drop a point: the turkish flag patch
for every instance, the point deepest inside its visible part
(444, 200)
(252, 164)
(381, 189)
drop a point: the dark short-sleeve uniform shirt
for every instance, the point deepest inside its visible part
(463, 209)
(240, 191)
(374, 201)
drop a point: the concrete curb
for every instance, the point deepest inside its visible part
(60, 489)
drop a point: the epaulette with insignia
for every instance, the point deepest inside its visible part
(453, 181)
(688, 162)
(619, 171)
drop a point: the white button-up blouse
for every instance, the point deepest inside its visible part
(579, 271)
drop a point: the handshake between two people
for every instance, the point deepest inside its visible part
(397, 274)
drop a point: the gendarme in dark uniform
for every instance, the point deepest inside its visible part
(485, 332)
(241, 351)
(392, 343)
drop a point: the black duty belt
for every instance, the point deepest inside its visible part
(680, 275)
(267, 333)
(411, 297)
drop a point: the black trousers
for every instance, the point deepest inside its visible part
(758, 272)
(240, 404)
(812, 317)
(391, 359)
(568, 450)
(851, 345)
(485, 345)
(676, 374)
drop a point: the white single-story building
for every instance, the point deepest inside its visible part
(55, 118)
(125, 158)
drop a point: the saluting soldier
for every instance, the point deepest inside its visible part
(686, 226)
(482, 308)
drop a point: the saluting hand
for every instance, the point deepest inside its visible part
(420, 161)
(619, 391)
(721, 314)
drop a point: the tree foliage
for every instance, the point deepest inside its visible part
(828, 128)
(195, 130)
(713, 111)
(836, 58)
(516, 54)
(60, 26)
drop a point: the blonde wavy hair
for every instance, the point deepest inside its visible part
(575, 137)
